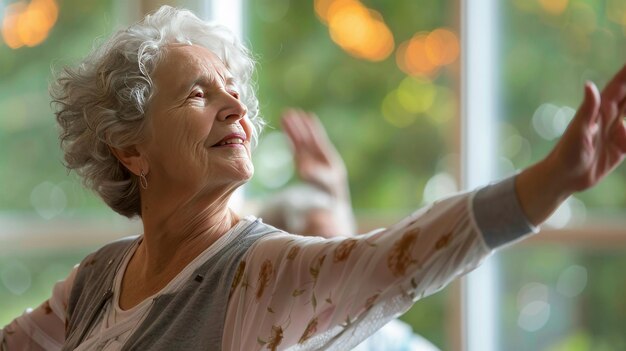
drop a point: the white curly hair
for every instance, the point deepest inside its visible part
(101, 103)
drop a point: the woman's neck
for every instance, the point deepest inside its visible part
(174, 237)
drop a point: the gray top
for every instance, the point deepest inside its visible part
(174, 321)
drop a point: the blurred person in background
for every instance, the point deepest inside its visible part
(159, 120)
(321, 206)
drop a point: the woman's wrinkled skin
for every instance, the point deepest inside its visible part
(190, 177)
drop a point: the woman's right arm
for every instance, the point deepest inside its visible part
(42, 328)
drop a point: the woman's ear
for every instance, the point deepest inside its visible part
(131, 158)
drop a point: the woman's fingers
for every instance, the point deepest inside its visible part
(613, 97)
(589, 108)
(619, 130)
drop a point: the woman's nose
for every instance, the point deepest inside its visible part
(233, 109)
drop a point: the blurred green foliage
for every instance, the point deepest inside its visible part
(577, 312)
(29, 148)
(299, 65)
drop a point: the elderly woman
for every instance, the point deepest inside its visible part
(160, 120)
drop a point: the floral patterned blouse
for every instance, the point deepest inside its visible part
(306, 293)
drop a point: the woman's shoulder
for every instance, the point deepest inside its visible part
(110, 251)
(105, 258)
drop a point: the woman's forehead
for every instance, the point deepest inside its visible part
(182, 64)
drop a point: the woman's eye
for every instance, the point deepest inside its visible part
(234, 93)
(197, 94)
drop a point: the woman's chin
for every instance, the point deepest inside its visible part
(244, 173)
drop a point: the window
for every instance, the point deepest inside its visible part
(391, 111)
(560, 291)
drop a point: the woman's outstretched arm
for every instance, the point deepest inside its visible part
(307, 294)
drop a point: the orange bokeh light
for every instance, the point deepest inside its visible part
(412, 57)
(425, 52)
(9, 24)
(442, 47)
(358, 30)
(554, 7)
(28, 24)
(321, 8)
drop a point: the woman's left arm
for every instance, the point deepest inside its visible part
(591, 147)
(307, 293)
(313, 293)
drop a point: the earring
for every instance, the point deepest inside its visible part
(143, 181)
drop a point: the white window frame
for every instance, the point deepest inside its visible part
(479, 98)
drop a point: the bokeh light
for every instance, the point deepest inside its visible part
(16, 277)
(412, 57)
(442, 46)
(273, 161)
(425, 53)
(534, 316)
(358, 30)
(533, 306)
(439, 186)
(48, 199)
(554, 7)
(28, 24)
(572, 211)
(416, 95)
(394, 111)
(550, 121)
(572, 281)
(616, 11)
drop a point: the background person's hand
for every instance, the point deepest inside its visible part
(316, 159)
(592, 146)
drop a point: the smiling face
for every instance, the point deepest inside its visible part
(198, 137)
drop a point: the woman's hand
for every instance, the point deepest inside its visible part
(317, 161)
(591, 147)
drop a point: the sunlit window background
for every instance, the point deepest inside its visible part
(384, 78)
(565, 294)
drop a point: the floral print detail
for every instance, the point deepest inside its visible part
(342, 252)
(298, 292)
(399, 258)
(237, 278)
(265, 274)
(313, 301)
(293, 252)
(275, 339)
(309, 331)
(443, 241)
(315, 268)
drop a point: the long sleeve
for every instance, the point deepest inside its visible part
(303, 293)
(42, 328)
